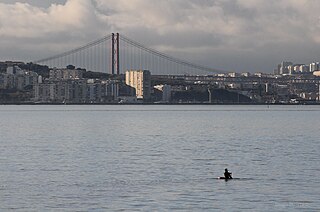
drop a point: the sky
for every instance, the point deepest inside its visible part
(230, 35)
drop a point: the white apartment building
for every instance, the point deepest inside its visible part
(141, 81)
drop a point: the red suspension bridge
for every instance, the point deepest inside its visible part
(115, 54)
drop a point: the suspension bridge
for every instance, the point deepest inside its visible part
(114, 54)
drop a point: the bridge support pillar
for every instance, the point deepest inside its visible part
(115, 54)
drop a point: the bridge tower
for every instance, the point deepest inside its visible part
(115, 54)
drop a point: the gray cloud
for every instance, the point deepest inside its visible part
(240, 35)
(38, 3)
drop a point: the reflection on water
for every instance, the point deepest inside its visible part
(159, 158)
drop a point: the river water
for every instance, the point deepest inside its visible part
(159, 158)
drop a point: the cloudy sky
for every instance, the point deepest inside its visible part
(231, 35)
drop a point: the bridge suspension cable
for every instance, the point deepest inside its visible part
(76, 50)
(167, 57)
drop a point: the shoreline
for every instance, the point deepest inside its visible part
(235, 104)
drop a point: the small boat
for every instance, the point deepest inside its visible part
(223, 178)
(234, 178)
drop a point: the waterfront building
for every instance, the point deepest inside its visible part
(67, 91)
(166, 92)
(75, 91)
(94, 92)
(42, 92)
(141, 81)
(20, 82)
(8, 81)
(111, 89)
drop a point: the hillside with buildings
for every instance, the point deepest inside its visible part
(35, 84)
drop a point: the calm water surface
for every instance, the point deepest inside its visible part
(159, 158)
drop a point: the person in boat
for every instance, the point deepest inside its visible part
(227, 174)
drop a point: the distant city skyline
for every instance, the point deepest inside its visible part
(243, 35)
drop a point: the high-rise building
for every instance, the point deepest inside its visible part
(314, 67)
(141, 81)
(283, 67)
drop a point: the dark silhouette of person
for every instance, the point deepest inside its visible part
(227, 174)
